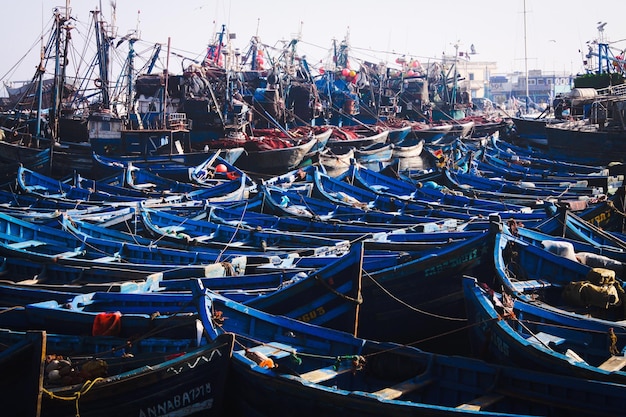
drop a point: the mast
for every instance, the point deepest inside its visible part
(102, 45)
(167, 76)
(526, 59)
(60, 45)
(41, 70)
(130, 107)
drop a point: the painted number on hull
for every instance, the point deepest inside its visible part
(312, 315)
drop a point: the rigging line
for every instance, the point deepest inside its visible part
(237, 228)
(410, 306)
(561, 326)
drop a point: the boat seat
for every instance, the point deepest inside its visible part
(144, 186)
(480, 403)
(324, 374)
(545, 339)
(106, 259)
(614, 363)
(575, 356)
(273, 350)
(173, 229)
(398, 390)
(531, 284)
(35, 188)
(26, 244)
(69, 254)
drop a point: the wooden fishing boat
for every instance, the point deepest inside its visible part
(34, 290)
(37, 162)
(582, 140)
(541, 166)
(130, 187)
(429, 132)
(173, 166)
(408, 151)
(336, 162)
(268, 154)
(65, 158)
(518, 170)
(357, 136)
(479, 185)
(427, 281)
(114, 314)
(32, 182)
(375, 156)
(399, 129)
(532, 130)
(460, 128)
(22, 361)
(241, 217)
(168, 235)
(115, 376)
(568, 224)
(163, 225)
(293, 204)
(581, 235)
(554, 274)
(540, 338)
(310, 215)
(89, 256)
(282, 365)
(376, 190)
(236, 186)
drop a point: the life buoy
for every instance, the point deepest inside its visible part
(97, 82)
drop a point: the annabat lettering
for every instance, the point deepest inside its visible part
(177, 402)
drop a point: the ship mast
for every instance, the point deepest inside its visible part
(526, 59)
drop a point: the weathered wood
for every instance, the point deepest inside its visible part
(614, 363)
(480, 403)
(398, 390)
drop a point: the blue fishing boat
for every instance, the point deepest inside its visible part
(22, 362)
(377, 191)
(522, 333)
(552, 274)
(125, 377)
(170, 226)
(174, 166)
(282, 366)
(83, 255)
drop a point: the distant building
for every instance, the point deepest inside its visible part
(473, 75)
(542, 88)
(481, 80)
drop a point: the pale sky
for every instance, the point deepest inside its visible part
(554, 33)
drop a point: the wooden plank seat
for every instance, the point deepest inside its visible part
(324, 374)
(107, 259)
(144, 186)
(398, 390)
(530, 285)
(480, 403)
(614, 363)
(69, 254)
(274, 350)
(26, 244)
(545, 339)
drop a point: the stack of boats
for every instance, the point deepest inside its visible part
(168, 287)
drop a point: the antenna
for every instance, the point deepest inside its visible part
(601, 26)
